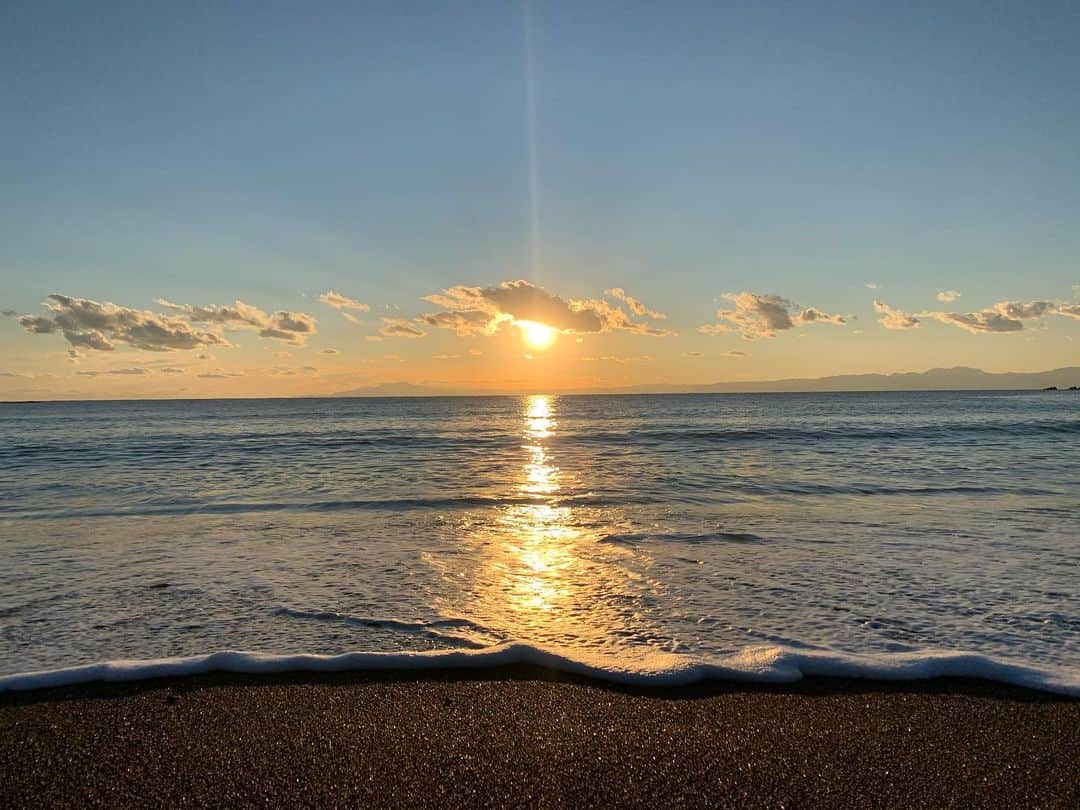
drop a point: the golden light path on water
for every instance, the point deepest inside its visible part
(538, 571)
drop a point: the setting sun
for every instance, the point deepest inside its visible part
(537, 335)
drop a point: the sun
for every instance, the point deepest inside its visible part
(537, 335)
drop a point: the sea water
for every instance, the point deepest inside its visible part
(655, 539)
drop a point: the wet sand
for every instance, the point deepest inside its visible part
(526, 737)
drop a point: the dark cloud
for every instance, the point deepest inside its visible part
(1001, 318)
(101, 325)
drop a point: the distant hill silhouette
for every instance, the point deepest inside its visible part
(398, 389)
(960, 378)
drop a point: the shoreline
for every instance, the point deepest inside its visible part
(524, 734)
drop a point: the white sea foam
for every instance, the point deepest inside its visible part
(763, 664)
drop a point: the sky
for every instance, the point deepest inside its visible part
(276, 199)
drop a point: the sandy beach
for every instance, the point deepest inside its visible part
(522, 736)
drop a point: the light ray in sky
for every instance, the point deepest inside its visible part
(530, 106)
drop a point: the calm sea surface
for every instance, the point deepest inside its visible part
(604, 528)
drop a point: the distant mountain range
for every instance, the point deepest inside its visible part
(960, 378)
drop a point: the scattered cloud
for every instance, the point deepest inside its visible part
(219, 375)
(173, 370)
(292, 327)
(762, 316)
(475, 352)
(947, 296)
(138, 371)
(694, 354)
(734, 353)
(282, 325)
(339, 301)
(350, 317)
(74, 355)
(329, 351)
(446, 357)
(1002, 317)
(393, 358)
(634, 304)
(609, 358)
(870, 285)
(374, 338)
(238, 316)
(102, 325)
(894, 318)
(400, 327)
(89, 324)
(8, 313)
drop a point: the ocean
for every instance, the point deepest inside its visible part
(644, 539)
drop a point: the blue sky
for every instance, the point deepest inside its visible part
(267, 152)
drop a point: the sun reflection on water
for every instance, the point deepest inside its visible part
(540, 571)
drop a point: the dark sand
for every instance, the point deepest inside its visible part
(520, 737)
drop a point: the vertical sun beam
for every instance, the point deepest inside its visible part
(530, 114)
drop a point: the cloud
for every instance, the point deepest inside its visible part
(173, 370)
(393, 358)
(219, 375)
(374, 338)
(329, 351)
(463, 322)
(400, 327)
(694, 354)
(74, 355)
(870, 285)
(894, 318)
(8, 313)
(634, 304)
(1001, 318)
(446, 357)
(101, 325)
(475, 352)
(293, 327)
(339, 301)
(121, 372)
(762, 316)
(350, 317)
(947, 296)
(609, 358)
(238, 316)
(482, 310)
(96, 325)
(734, 353)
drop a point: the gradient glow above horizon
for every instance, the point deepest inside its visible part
(272, 199)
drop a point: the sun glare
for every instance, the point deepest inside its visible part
(537, 335)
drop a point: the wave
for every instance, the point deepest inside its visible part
(434, 630)
(758, 664)
(253, 444)
(633, 538)
(192, 507)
